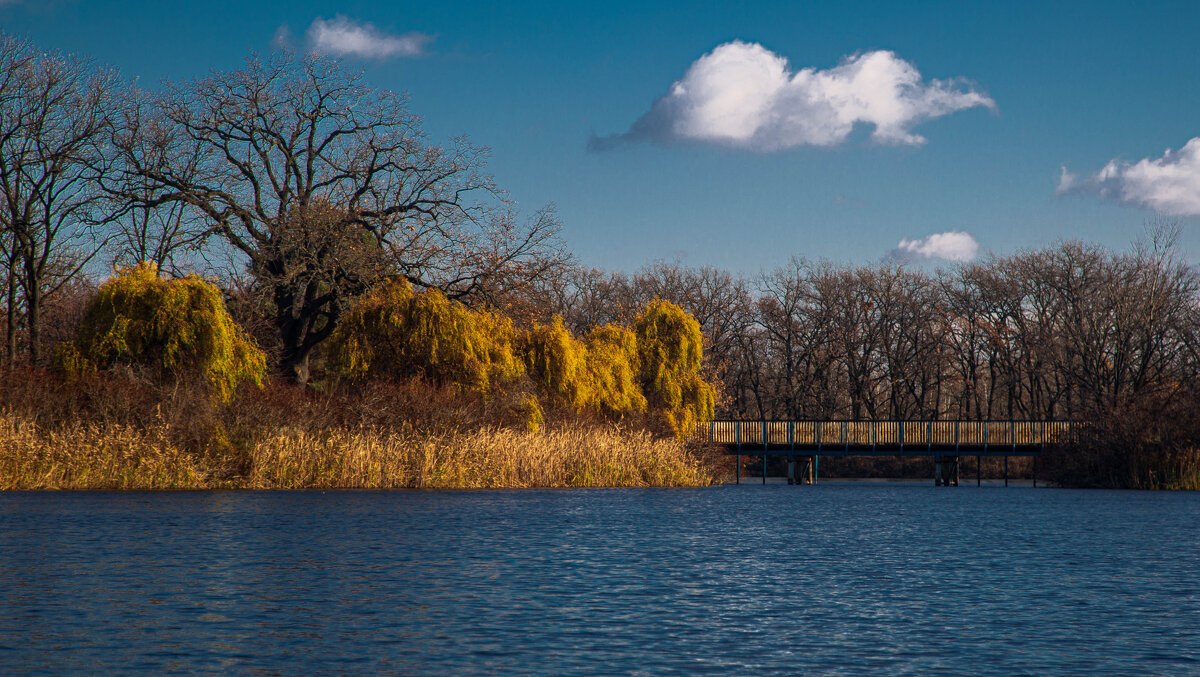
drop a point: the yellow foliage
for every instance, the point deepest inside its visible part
(177, 329)
(530, 413)
(612, 370)
(598, 374)
(555, 361)
(396, 333)
(670, 352)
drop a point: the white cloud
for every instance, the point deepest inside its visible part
(341, 36)
(282, 39)
(952, 245)
(744, 95)
(1169, 184)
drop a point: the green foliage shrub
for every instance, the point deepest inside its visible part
(173, 329)
(670, 351)
(395, 333)
(529, 413)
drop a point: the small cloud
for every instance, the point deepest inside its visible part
(952, 245)
(1068, 182)
(282, 39)
(1169, 185)
(743, 95)
(341, 36)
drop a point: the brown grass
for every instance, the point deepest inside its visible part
(82, 456)
(484, 458)
(123, 457)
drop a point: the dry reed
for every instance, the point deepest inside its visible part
(91, 456)
(114, 456)
(484, 458)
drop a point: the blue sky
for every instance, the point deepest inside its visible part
(1054, 85)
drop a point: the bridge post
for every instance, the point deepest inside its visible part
(937, 470)
(1006, 470)
(764, 443)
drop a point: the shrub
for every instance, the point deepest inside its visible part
(170, 329)
(670, 352)
(394, 333)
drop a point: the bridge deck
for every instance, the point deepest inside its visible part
(889, 438)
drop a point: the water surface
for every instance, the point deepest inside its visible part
(831, 579)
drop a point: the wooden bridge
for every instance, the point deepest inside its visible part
(945, 441)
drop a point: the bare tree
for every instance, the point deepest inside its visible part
(54, 118)
(149, 225)
(282, 135)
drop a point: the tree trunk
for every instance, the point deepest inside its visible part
(293, 330)
(11, 328)
(33, 308)
(295, 364)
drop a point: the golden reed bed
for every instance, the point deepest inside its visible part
(114, 456)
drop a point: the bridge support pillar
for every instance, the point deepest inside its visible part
(945, 471)
(801, 470)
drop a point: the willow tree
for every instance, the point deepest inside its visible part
(395, 333)
(670, 355)
(170, 329)
(286, 148)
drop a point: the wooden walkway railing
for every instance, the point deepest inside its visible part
(907, 435)
(805, 442)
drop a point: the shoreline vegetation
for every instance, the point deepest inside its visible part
(123, 457)
(310, 292)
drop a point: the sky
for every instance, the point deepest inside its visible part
(740, 134)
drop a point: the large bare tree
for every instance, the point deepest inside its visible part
(285, 147)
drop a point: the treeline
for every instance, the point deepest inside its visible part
(1072, 331)
(308, 197)
(1065, 332)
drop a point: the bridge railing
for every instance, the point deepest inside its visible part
(889, 433)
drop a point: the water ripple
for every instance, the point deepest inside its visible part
(833, 579)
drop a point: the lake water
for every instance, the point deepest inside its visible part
(833, 579)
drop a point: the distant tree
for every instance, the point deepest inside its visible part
(54, 123)
(149, 225)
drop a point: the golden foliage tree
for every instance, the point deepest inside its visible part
(396, 333)
(612, 358)
(173, 329)
(597, 373)
(670, 352)
(556, 361)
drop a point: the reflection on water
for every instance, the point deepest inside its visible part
(836, 578)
